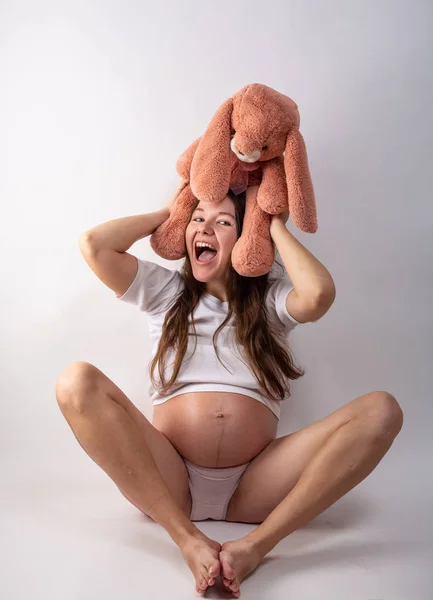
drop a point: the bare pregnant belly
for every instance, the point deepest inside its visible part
(216, 429)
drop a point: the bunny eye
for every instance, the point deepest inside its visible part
(264, 148)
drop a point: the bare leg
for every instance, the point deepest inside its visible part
(112, 439)
(350, 454)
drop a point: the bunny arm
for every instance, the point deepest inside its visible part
(272, 194)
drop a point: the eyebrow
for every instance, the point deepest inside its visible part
(220, 213)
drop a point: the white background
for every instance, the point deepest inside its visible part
(98, 100)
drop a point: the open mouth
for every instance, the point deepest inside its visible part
(204, 256)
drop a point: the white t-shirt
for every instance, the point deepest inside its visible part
(155, 289)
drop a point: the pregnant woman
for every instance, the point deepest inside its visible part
(220, 368)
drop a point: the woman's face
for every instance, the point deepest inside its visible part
(214, 223)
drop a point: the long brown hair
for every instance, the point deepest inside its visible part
(267, 354)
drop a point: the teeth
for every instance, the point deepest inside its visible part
(204, 245)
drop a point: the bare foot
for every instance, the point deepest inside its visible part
(201, 555)
(238, 559)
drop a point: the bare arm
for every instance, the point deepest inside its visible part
(314, 289)
(121, 234)
(104, 247)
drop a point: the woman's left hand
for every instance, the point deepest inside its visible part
(281, 217)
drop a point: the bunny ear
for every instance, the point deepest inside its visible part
(210, 168)
(183, 163)
(302, 203)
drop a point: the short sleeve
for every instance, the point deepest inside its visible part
(276, 301)
(153, 288)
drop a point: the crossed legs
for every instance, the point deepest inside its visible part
(318, 465)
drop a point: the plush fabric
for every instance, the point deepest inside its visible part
(252, 143)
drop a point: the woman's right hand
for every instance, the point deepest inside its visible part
(169, 204)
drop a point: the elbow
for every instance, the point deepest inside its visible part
(325, 296)
(85, 241)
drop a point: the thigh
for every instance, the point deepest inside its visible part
(273, 473)
(169, 462)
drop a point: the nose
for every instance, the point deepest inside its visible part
(204, 226)
(204, 230)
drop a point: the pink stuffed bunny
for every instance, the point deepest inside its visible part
(252, 143)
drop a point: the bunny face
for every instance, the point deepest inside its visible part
(252, 148)
(260, 121)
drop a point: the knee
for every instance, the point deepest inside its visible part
(385, 415)
(75, 385)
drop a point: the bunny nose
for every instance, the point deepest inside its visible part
(240, 152)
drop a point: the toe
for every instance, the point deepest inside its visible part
(235, 592)
(202, 581)
(228, 575)
(233, 584)
(214, 570)
(226, 568)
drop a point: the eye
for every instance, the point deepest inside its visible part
(264, 148)
(221, 221)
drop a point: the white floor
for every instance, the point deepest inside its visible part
(74, 536)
